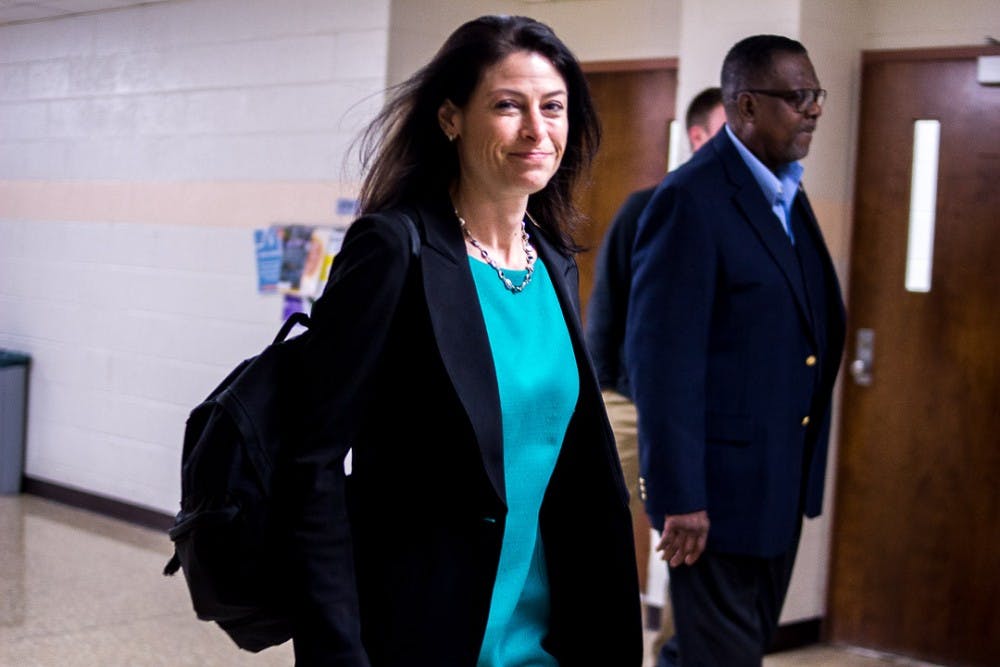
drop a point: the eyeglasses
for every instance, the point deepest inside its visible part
(800, 99)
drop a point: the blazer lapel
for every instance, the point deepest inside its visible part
(590, 412)
(460, 331)
(563, 272)
(833, 318)
(752, 205)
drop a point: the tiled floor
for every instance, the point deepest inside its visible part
(81, 590)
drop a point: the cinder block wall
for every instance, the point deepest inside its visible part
(138, 150)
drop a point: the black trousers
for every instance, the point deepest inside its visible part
(726, 608)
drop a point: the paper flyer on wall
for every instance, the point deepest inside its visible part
(267, 243)
(295, 259)
(295, 243)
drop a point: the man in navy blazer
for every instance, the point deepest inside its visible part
(733, 342)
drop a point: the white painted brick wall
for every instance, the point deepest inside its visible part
(207, 89)
(129, 324)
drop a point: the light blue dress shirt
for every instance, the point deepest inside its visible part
(779, 187)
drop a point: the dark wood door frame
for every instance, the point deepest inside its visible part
(638, 65)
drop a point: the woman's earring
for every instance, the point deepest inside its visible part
(451, 137)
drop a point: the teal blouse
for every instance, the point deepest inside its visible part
(539, 384)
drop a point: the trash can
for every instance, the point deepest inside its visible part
(13, 404)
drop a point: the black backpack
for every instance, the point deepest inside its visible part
(225, 535)
(228, 533)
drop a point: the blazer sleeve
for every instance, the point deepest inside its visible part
(351, 324)
(606, 311)
(671, 300)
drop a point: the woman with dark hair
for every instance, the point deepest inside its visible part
(484, 521)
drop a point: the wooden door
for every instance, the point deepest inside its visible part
(915, 566)
(635, 102)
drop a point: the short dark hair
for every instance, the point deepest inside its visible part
(701, 107)
(751, 57)
(406, 156)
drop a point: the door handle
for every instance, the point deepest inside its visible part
(861, 372)
(864, 354)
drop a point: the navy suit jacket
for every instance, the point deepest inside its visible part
(732, 366)
(394, 566)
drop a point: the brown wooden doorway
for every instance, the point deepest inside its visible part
(635, 102)
(915, 564)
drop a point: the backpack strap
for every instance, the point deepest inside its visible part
(411, 227)
(293, 319)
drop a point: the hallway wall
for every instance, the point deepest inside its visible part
(592, 29)
(138, 150)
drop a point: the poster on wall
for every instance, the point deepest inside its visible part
(268, 248)
(295, 259)
(296, 242)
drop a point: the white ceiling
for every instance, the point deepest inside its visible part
(12, 11)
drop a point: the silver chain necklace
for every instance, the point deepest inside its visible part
(529, 254)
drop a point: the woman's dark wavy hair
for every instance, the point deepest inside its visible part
(406, 156)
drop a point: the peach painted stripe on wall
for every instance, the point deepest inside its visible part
(246, 204)
(219, 204)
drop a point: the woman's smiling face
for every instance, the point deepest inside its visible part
(512, 132)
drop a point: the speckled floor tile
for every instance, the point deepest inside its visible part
(828, 656)
(81, 590)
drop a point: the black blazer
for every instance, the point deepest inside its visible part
(395, 564)
(730, 348)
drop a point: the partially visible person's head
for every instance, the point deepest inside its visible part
(705, 116)
(408, 155)
(772, 96)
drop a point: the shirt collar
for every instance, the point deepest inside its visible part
(781, 187)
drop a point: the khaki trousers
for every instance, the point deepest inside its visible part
(624, 424)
